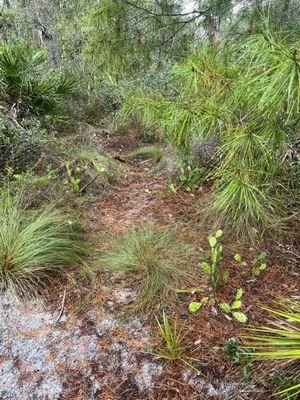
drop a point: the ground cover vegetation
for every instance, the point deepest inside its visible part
(151, 148)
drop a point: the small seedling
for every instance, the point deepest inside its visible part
(190, 177)
(172, 188)
(216, 256)
(231, 309)
(74, 177)
(195, 306)
(240, 356)
(258, 267)
(238, 258)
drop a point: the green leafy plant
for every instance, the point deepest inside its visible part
(190, 177)
(173, 338)
(211, 269)
(195, 306)
(74, 177)
(35, 246)
(280, 341)
(157, 262)
(232, 309)
(259, 266)
(238, 258)
(239, 355)
(98, 171)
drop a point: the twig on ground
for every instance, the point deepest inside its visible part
(62, 307)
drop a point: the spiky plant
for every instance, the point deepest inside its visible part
(24, 81)
(34, 246)
(173, 348)
(280, 341)
(155, 260)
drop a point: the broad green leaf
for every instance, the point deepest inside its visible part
(239, 316)
(262, 256)
(220, 249)
(225, 307)
(263, 266)
(238, 257)
(194, 306)
(256, 271)
(219, 233)
(236, 304)
(239, 294)
(212, 241)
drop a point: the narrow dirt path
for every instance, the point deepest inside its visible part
(96, 355)
(141, 195)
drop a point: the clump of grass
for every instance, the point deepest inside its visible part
(35, 246)
(154, 153)
(156, 260)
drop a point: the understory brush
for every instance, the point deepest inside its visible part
(156, 261)
(37, 189)
(90, 172)
(19, 148)
(35, 246)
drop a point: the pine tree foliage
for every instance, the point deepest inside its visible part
(127, 37)
(248, 97)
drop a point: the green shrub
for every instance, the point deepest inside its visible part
(19, 149)
(156, 260)
(34, 246)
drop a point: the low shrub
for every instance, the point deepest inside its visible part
(19, 150)
(90, 172)
(34, 246)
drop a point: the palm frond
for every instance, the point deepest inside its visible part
(279, 341)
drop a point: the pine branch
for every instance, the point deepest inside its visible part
(157, 14)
